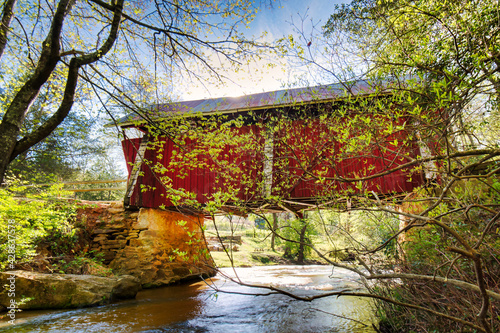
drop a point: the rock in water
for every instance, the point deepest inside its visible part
(32, 290)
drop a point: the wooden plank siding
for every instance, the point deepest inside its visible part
(310, 148)
(203, 180)
(299, 147)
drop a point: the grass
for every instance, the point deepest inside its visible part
(255, 249)
(250, 245)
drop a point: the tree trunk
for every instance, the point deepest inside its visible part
(12, 121)
(8, 136)
(7, 16)
(302, 240)
(13, 118)
(273, 235)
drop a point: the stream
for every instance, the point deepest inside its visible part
(196, 307)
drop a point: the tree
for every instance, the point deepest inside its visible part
(62, 154)
(106, 45)
(433, 71)
(445, 57)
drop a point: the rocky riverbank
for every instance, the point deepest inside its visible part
(130, 250)
(31, 290)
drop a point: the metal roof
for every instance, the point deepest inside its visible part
(262, 100)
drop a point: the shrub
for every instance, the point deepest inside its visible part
(28, 221)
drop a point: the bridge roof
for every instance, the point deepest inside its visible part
(262, 100)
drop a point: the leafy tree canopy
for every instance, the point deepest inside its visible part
(74, 51)
(454, 43)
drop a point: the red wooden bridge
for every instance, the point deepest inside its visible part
(306, 146)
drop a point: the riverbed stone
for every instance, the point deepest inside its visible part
(115, 210)
(104, 231)
(32, 290)
(100, 238)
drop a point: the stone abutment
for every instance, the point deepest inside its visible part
(156, 246)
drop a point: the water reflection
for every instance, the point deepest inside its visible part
(197, 308)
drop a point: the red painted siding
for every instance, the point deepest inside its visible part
(203, 176)
(307, 147)
(299, 147)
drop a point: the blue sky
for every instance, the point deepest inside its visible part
(277, 20)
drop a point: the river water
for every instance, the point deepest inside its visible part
(197, 307)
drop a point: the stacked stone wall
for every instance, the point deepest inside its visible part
(158, 247)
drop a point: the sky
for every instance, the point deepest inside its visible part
(277, 20)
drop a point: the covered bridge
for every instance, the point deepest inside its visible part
(306, 146)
